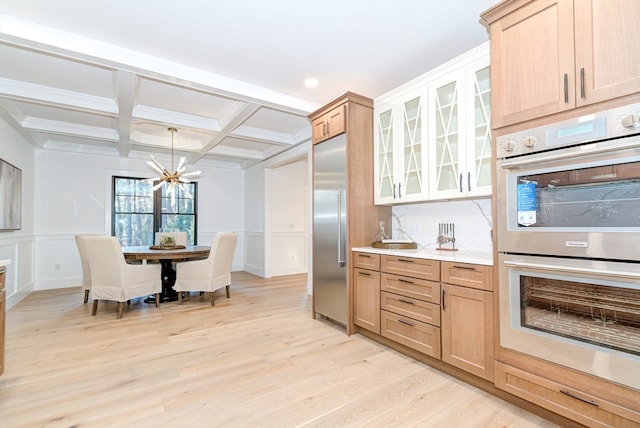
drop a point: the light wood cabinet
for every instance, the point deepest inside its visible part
(366, 291)
(549, 56)
(439, 308)
(432, 137)
(588, 408)
(467, 318)
(329, 125)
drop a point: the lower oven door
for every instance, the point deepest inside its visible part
(579, 201)
(582, 314)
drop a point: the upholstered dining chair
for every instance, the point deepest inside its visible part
(86, 273)
(210, 274)
(113, 279)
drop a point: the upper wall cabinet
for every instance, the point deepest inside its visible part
(549, 56)
(432, 138)
(400, 153)
(329, 125)
(459, 133)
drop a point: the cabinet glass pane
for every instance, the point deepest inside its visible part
(482, 110)
(385, 153)
(412, 127)
(446, 105)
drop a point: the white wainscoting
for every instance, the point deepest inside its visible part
(288, 253)
(254, 256)
(19, 280)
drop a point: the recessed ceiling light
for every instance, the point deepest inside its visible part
(311, 83)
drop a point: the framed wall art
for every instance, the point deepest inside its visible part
(10, 196)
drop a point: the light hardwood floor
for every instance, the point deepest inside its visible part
(257, 359)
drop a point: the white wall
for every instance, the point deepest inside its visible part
(73, 195)
(277, 201)
(19, 245)
(472, 218)
(254, 221)
(288, 218)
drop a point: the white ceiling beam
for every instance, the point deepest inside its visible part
(126, 85)
(13, 116)
(45, 95)
(173, 118)
(238, 114)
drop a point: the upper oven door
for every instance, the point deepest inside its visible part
(581, 201)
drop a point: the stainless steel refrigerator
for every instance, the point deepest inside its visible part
(330, 229)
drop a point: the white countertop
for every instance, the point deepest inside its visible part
(5, 262)
(461, 256)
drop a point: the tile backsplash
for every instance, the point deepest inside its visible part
(472, 218)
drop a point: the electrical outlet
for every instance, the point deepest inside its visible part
(415, 228)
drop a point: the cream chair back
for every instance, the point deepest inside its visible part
(221, 254)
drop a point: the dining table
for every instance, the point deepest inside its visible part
(166, 256)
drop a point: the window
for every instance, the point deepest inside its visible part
(137, 212)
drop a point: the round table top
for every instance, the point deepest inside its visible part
(146, 253)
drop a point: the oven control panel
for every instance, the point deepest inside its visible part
(614, 123)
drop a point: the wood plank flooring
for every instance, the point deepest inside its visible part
(257, 359)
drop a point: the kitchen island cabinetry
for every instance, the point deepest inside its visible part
(549, 56)
(467, 318)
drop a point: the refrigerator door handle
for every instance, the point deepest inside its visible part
(342, 242)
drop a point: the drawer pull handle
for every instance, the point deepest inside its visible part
(405, 323)
(405, 280)
(406, 301)
(443, 307)
(463, 267)
(364, 255)
(406, 260)
(584, 400)
(364, 273)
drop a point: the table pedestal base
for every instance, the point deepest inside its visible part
(168, 294)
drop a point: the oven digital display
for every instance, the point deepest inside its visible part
(584, 128)
(581, 132)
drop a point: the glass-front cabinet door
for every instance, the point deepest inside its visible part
(460, 133)
(400, 151)
(445, 136)
(479, 127)
(412, 185)
(384, 157)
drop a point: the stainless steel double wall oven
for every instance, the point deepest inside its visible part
(568, 224)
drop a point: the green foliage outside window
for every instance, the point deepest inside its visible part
(137, 213)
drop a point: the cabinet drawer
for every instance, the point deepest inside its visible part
(428, 291)
(468, 275)
(574, 404)
(366, 260)
(417, 335)
(412, 308)
(410, 266)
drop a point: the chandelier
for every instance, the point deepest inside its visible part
(178, 178)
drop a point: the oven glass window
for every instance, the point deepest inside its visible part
(602, 315)
(602, 197)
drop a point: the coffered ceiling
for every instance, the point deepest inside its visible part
(109, 77)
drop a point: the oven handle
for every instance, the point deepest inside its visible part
(587, 150)
(569, 269)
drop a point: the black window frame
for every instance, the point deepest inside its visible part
(158, 215)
